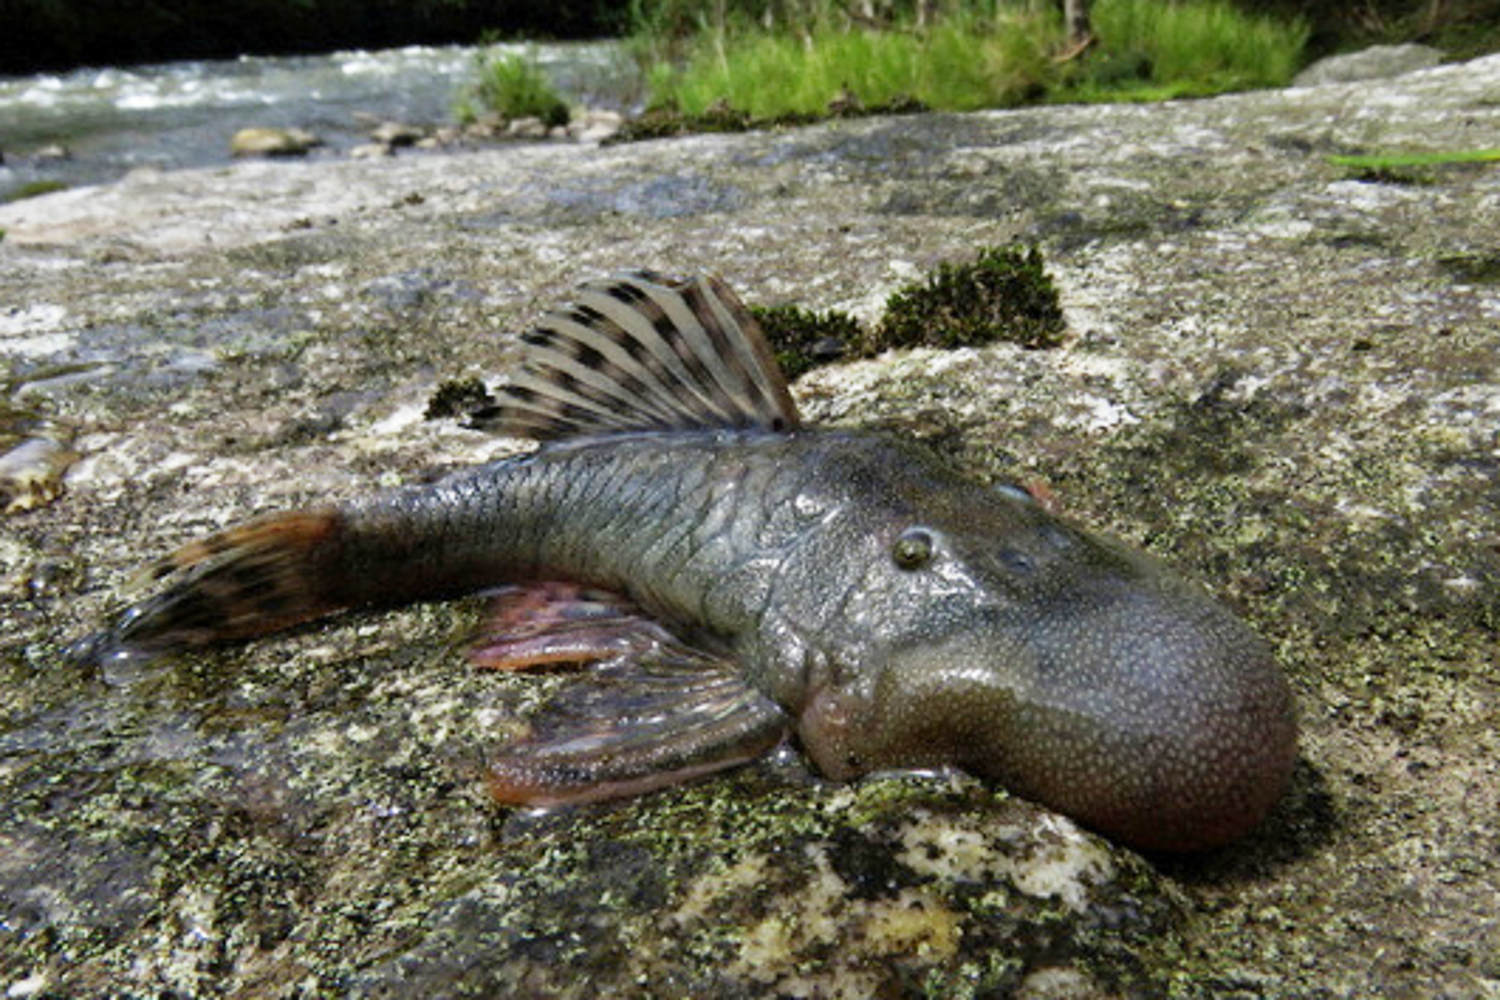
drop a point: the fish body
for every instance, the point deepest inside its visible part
(732, 577)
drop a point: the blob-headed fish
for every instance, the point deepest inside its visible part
(733, 577)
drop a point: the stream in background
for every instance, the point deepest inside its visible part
(182, 114)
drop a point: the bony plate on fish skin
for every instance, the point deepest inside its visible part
(730, 577)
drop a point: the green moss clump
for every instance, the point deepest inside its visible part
(32, 189)
(457, 397)
(511, 86)
(1005, 294)
(803, 339)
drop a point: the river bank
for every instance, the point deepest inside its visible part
(92, 126)
(1278, 377)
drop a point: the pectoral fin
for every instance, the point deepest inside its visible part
(653, 711)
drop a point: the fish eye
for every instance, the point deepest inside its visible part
(912, 548)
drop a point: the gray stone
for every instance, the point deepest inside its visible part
(1377, 62)
(396, 134)
(272, 142)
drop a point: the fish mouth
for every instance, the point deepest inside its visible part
(1157, 718)
(1138, 707)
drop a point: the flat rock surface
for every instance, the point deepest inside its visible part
(1279, 377)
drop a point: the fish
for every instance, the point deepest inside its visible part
(731, 579)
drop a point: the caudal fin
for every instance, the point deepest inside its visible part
(258, 577)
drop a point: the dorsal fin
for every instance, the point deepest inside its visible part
(640, 351)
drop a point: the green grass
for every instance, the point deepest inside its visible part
(1392, 161)
(1154, 49)
(978, 55)
(956, 65)
(512, 86)
(1408, 168)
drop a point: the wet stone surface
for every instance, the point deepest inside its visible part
(1280, 379)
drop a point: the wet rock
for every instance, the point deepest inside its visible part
(1374, 63)
(857, 892)
(370, 151)
(272, 142)
(595, 125)
(396, 134)
(526, 128)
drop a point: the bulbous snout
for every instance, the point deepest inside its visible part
(1149, 713)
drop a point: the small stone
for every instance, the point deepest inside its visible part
(595, 125)
(370, 151)
(397, 134)
(526, 128)
(273, 142)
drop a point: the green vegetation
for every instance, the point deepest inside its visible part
(457, 397)
(32, 189)
(1004, 294)
(1390, 161)
(961, 63)
(1156, 49)
(1408, 168)
(980, 53)
(803, 339)
(510, 85)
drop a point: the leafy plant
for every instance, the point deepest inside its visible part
(510, 85)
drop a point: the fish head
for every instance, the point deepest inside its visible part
(1067, 667)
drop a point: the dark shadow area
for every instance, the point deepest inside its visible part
(1305, 821)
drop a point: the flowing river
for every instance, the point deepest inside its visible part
(92, 125)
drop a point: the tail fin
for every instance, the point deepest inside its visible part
(258, 577)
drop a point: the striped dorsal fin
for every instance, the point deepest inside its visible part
(640, 351)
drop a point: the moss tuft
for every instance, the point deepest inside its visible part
(33, 189)
(803, 339)
(456, 397)
(1005, 294)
